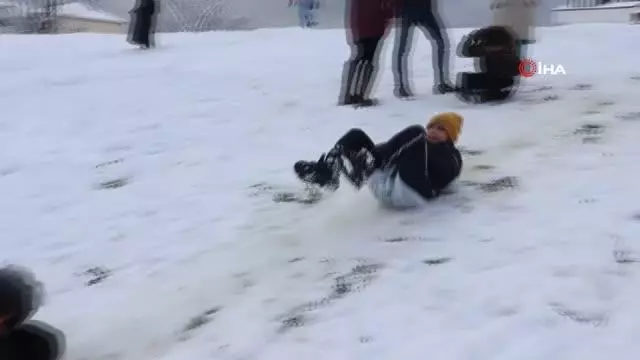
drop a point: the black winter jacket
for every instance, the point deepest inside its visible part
(425, 167)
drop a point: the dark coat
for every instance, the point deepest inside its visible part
(142, 24)
(369, 18)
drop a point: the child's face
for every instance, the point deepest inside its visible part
(436, 133)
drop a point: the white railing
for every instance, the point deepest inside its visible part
(591, 3)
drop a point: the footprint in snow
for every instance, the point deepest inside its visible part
(598, 107)
(112, 175)
(484, 167)
(470, 152)
(408, 238)
(96, 275)
(542, 100)
(596, 319)
(630, 116)
(581, 86)
(624, 257)
(499, 184)
(355, 280)
(436, 261)
(590, 132)
(590, 129)
(539, 89)
(8, 171)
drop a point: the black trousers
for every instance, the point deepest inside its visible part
(142, 29)
(430, 25)
(32, 341)
(405, 152)
(365, 49)
(356, 140)
(360, 71)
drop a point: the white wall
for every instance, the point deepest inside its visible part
(72, 25)
(613, 15)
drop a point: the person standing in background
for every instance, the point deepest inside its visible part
(366, 22)
(143, 23)
(424, 15)
(305, 11)
(518, 16)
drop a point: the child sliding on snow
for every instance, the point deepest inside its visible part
(406, 171)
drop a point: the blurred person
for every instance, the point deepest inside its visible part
(305, 11)
(420, 14)
(143, 23)
(367, 23)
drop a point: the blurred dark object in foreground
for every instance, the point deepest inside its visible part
(20, 337)
(142, 27)
(496, 60)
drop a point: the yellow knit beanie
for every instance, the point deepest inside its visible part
(452, 122)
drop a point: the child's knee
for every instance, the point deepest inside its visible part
(356, 132)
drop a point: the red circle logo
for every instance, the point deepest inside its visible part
(527, 67)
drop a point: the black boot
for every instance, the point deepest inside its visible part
(402, 91)
(325, 172)
(443, 88)
(349, 76)
(363, 86)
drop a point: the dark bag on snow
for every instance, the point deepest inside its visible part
(496, 62)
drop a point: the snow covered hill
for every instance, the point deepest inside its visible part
(138, 186)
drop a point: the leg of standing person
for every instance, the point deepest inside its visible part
(359, 72)
(431, 25)
(400, 62)
(146, 31)
(368, 70)
(302, 13)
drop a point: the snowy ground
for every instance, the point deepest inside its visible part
(136, 185)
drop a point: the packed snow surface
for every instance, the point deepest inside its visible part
(139, 185)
